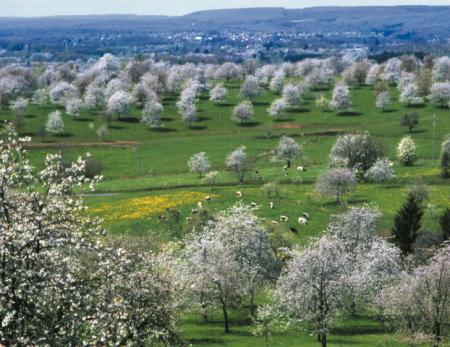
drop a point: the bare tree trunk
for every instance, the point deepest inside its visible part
(353, 308)
(437, 334)
(252, 306)
(225, 316)
(324, 340)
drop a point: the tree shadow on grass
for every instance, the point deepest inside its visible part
(249, 124)
(321, 89)
(389, 111)
(225, 104)
(30, 116)
(63, 135)
(339, 341)
(360, 330)
(282, 120)
(298, 110)
(272, 137)
(129, 120)
(261, 103)
(117, 127)
(206, 341)
(203, 119)
(167, 119)
(357, 201)
(82, 119)
(349, 114)
(415, 106)
(163, 130)
(419, 131)
(198, 127)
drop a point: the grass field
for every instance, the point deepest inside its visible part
(145, 171)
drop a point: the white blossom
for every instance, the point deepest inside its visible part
(292, 95)
(407, 151)
(19, 106)
(383, 100)
(243, 112)
(74, 107)
(276, 108)
(218, 94)
(54, 123)
(61, 92)
(440, 93)
(199, 163)
(250, 89)
(381, 171)
(151, 114)
(287, 151)
(238, 162)
(336, 182)
(119, 104)
(277, 82)
(341, 100)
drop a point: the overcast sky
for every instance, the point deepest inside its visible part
(31, 8)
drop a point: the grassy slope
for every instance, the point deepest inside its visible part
(155, 164)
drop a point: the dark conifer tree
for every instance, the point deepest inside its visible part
(407, 224)
(445, 164)
(444, 221)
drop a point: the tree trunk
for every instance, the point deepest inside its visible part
(437, 334)
(319, 337)
(353, 308)
(289, 164)
(252, 306)
(324, 340)
(225, 316)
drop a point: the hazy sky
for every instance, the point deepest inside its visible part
(31, 8)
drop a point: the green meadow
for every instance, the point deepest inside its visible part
(145, 170)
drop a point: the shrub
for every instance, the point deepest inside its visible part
(93, 168)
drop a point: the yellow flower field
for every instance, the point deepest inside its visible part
(145, 206)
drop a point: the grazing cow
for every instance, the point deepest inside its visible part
(285, 168)
(253, 204)
(208, 198)
(284, 219)
(306, 215)
(188, 219)
(199, 204)
(302, 169)
(238, 194)
(293, 230)
(274, 222)
(302, 220)
(194, 211)
(271, 205)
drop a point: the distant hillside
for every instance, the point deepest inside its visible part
(270, 33)
(425, 21)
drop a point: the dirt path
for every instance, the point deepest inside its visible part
(83, 144)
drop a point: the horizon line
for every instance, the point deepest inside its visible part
(212, 10)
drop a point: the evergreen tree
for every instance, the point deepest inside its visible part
(407, 224)
(445, 164)
(444, 221)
